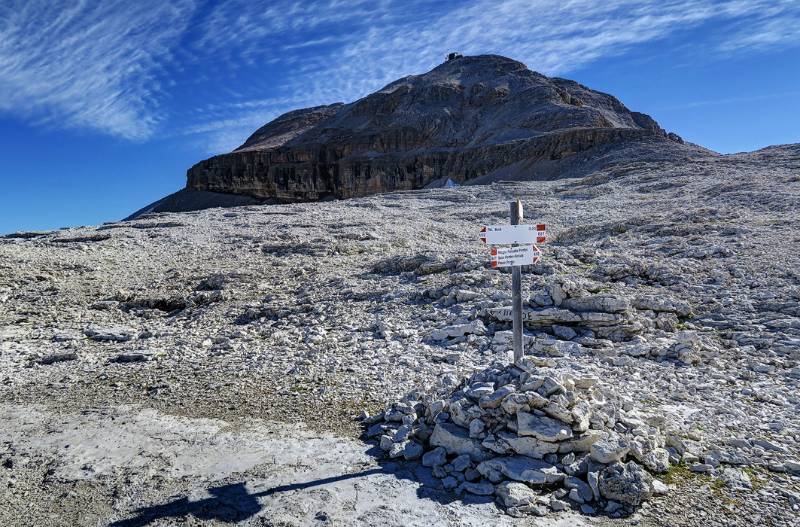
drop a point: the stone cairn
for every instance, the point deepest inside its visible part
(534, 440)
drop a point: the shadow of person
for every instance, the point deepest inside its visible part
(233, 503)
(229, 504)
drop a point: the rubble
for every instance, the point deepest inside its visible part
(532, 431)
(585, 322)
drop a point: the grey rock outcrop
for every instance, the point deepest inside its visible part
(627, 483)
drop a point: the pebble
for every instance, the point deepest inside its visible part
(659, 488)
(481, 489)
(701, 468)
(412, 450)
(461, 463)
(437, 456)
(449, 483)
(53, 358)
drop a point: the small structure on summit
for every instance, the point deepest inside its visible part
(453, 55)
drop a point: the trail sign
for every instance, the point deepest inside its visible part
(511, 256)
(522, 251)
(513, 234)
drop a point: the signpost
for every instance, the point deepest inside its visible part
(522, 251)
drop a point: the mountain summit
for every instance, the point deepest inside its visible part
(470, 120)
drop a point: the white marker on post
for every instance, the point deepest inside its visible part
(511, 256)
(513, 234)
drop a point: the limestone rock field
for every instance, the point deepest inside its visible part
(347, 362)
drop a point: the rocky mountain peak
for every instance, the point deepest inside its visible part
(469, 101)
(471, 119)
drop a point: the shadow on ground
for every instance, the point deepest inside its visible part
(233, 503)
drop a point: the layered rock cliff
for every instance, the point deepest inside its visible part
(467, 119)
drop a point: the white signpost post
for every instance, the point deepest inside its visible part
(522, 251)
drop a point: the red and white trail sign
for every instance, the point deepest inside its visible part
(511, 256)
(513, 234)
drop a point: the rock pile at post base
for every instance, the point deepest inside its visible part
(534, 439)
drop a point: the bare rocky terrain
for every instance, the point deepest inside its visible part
(209, 367)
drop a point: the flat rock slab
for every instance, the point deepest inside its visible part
(601, 303)
(528, 446)
(255, 473)
(609, 450)
(109, 333)
(494, 399)
(521, 468)
(135, 356)
(542, 428)
(456, 440)
(475, 327)
(58, 357)
(545, 317)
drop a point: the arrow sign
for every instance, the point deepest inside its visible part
(511, 256)
(513, 234)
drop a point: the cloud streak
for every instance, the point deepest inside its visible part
(551, 36)
(88, 65)
(776, 25)
(110, 66)
(732, 100)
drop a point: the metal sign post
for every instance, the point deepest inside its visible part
(520, 250)
(516, 287)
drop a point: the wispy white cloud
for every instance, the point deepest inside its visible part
(775, 26)
(316, 42)
(86, 64)
(551, 36)
(732, 100)
(223, 127)
(108, 65)
(250, 28)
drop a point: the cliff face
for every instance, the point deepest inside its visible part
(465, 119)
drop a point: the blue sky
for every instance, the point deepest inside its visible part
(105, 104)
